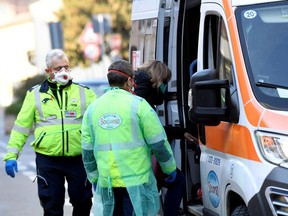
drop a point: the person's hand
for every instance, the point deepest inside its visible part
(189, 137)
(171, 177)
(10, 167)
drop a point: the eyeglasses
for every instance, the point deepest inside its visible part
(66, 67)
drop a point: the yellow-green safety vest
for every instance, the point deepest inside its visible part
(57, 126)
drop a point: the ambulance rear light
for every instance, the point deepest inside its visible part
(274, 147)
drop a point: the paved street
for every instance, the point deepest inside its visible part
(19, 194)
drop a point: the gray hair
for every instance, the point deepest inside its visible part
(58, 53)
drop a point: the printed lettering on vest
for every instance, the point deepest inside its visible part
(109, 121)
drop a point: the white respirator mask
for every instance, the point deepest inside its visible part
(62, 77)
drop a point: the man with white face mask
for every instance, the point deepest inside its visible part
(54, 109)
(58, 67)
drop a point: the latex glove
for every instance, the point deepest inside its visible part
(10, 167)
(171, 177)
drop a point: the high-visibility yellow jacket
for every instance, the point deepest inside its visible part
(119, 131)
(56, 124)
(122, 129)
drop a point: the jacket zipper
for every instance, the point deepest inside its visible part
(67, 133)
(40, 140)
(62, 120)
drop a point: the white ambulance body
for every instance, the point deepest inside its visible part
(229, 88)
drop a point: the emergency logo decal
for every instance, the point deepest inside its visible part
(250, 14)
(213, 188)
(109, 121)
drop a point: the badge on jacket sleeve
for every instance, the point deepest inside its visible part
(70, 113)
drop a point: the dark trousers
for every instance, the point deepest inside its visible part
(175, 190)
(51, 175)
(123, 205)
(174, 195)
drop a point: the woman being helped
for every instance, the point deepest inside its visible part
(151, 80)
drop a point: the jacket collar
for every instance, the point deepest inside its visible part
(46, 85)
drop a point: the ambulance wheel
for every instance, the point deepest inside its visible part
(240, 211)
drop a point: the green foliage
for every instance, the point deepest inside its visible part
(20, 92)
(75, 14)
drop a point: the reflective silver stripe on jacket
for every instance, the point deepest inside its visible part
(13, 150)
(38, 103)
(45, 122)
(155, 139)
(134, 124)
(119, 146)
(21, 129)
(87, 146)
(57, 122)
(82, 99)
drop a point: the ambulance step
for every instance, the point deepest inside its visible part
(196, 210)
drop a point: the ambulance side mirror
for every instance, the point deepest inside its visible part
(208, 98)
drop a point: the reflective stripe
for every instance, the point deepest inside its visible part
(13, 150)
(57, 122)
(119, 146)
(169, 162)
(134, 124)
(92, 174)
(57, 132)
(155, 139)
(126, 176)
(73, 121)
(87, 146)
(82, 99)
(38, 103)
(21, 129)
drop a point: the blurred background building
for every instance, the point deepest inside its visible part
(30, 28)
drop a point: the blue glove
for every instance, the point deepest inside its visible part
(171, 177)
(94, 186)
(10, 167)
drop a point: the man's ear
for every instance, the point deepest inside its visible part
(47, 70)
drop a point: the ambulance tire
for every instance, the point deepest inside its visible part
(240, 211)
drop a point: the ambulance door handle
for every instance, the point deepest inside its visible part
(176, 123)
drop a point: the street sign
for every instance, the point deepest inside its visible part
(88, 35)
(90, 42)
(92, 52)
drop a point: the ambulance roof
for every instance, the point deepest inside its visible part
(250, 2)
(147, 9)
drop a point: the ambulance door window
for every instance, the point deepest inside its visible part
(217, 49)
(211, 30)
(150, 40)
(224, 66)
(224, 61)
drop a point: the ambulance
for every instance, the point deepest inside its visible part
(229, 88)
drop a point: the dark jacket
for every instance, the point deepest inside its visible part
(145, 90)
(154, 97)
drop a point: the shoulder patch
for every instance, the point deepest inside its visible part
(34, 87)
(84, 86)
